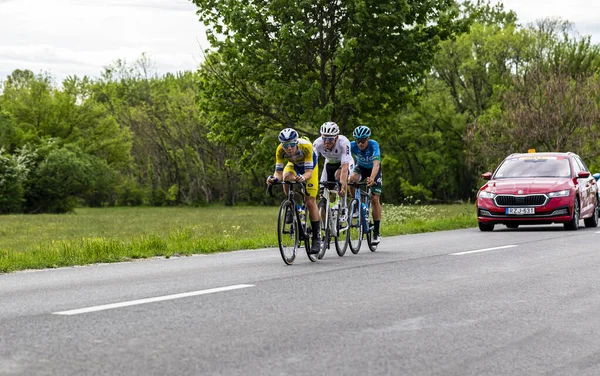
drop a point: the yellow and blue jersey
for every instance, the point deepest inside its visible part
(304, 158)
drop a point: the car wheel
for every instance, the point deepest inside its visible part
(512, 225)
(573, 225)
(486, 226)
(593, 220)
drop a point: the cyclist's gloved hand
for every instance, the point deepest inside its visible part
(272, 179)
(300, 178)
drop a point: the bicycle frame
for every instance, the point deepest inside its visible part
(326, 195)
(329, 214)
(364, 196)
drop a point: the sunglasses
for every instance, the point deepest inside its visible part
(286, 145)
(328, 139)
(361, 140)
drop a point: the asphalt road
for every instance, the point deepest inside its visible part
(511, 302)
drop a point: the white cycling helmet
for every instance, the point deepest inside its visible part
(288, 135)
(330, 129)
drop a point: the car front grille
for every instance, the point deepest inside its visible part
(528, 200)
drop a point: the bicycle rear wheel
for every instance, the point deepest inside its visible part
(355, 230)
(287, 233)
(306, 225)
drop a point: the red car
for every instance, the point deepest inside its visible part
(538, 188)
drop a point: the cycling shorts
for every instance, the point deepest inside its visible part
(312, 184)
(364, 173)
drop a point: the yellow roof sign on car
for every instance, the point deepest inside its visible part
(531, 151)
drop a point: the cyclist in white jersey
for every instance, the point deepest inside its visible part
(335, 148)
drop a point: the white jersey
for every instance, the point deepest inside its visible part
(340, 153)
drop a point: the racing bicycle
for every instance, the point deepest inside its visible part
(359, 222)
(291, 235)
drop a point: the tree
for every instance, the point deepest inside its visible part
(175, 159)
(297, 64)
(423, 150)
(550, 103)
(475, 64)
(556, 45)
(546, 110)
(12, 175)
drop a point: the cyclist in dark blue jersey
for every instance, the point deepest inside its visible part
(368, 166)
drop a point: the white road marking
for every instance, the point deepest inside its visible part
(150, 300)
(482, 250)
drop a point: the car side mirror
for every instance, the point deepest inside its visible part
(488, 175)
(596, 175)
(583, 174)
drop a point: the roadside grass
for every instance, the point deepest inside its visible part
(93, 235)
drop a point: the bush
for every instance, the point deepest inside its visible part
(60, 176)
(417, 192)
(102, 184)
(129, 193)
(12, 175)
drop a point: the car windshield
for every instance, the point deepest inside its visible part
(534, 167)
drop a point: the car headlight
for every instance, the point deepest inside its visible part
(563, 193)
(486, 194)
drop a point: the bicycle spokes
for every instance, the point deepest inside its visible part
(354, 226)
(287, 232)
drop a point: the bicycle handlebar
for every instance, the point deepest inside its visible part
(362, 183)
(358, 183)
(327, 184)
(291, 183)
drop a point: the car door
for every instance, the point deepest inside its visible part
(587, 187)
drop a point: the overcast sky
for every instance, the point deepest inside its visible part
(81, 37)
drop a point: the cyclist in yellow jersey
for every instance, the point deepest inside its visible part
(301, 166)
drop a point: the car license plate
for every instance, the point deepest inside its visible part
(520, 211)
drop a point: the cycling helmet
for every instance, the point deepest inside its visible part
(288, 135)
(362, 131)
(330, 129)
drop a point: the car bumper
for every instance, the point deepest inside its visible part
(556, 210)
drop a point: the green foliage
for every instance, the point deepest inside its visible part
(474, 64)
(59, 175)
(303, 63)
(415, 191)
(102, 184)
(547, 103)
(129, 193)
(175, 158)
(423, 154)
(448, 89)
(85, 141)
(12, 175)
(9, 133)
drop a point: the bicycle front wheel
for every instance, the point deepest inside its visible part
(341, 235)
(355, 230)
(287, 233)
(308, 236)
(372, 247)
(324, 225)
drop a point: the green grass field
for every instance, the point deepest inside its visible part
(118, 234)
